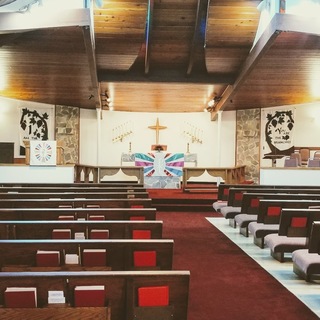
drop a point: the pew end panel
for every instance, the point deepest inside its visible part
(176, 308)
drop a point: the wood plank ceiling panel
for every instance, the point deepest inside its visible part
(231, 30)
(119, 28)
(45, 65)
(282, 69)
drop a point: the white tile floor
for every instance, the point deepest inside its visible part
(308, 293)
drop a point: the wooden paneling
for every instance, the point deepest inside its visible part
(164, 56)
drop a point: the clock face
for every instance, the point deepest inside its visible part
(42, 152)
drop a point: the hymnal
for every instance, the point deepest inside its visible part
(61, 234)
(63, 217)
(96, 217)
(144, 258)
(20, 297)
(153, 296)
(92, 206)
(94, 257)
(141, 234)
(99, 234)
(48, 258)
(89, 296)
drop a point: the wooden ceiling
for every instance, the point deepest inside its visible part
(160, 56)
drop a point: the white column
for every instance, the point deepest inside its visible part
(219, 143)
(99, 117)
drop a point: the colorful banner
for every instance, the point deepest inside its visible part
(160, 164)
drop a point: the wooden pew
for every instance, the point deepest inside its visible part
(121, 294)
(74, 195)
(250, 204)
(306, 262)
(30, 189)
(117, 229)
(236, 200)
(76, 203)
(224, 191)
(77, 213)
(269, 216)
(75, 185)
(294, 230)
(21, 254)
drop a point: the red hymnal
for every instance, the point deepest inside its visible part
(89, 296)
(94, 257)
(153, 296)
(48, 258)
(99, 234)
(96, 217)
(136, 206)
(141, 234)
(20, 297)
(144, 258)
(61, 234)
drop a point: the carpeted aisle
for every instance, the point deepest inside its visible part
(226, 284)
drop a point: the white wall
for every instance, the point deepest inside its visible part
(143, 137)
(307, 132)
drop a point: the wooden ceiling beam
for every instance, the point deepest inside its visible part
(148, 35)
(89, 45)
(198, 39)
(169, 76)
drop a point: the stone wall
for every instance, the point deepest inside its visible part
(67, 132)
(248, 142)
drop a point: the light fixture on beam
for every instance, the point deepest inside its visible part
(106, 101)
(211, 104)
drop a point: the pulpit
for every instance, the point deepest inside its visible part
(58, 152)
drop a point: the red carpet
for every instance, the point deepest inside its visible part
(179, 194)
(226, 284)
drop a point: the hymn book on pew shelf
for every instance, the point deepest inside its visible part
(99, 234)
(96, 217)
(89, 296)
(47, 258)
(94, 257)
(61, 234)
(20, 297)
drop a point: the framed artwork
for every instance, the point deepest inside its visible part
(43, 153)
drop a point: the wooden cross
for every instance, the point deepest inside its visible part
(157, 127)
